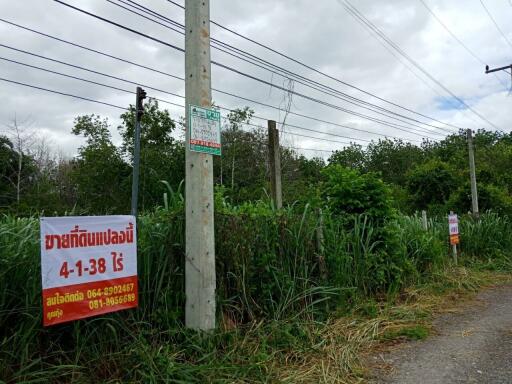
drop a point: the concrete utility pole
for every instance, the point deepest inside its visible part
(424, 220)
(139, 111)
(200, 242)
(474, 194)
(275, 164)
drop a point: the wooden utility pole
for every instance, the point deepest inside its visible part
(274, 157)
(200, 242)
(139, 111)
(472, 173)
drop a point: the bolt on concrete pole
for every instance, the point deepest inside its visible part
(200, 242)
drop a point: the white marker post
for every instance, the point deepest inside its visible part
(453, 227)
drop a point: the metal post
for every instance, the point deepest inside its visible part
(424, 219)
(200, 242)
(139, 110)
(472, 172)
(275, 164)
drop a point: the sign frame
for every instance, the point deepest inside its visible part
(453, 228)
(88, 266)
(209, 140)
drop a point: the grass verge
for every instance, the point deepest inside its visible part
(379, 325)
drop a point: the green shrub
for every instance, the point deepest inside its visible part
(349, 192)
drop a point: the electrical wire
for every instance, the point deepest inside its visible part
(274, 69)
(234, 70)
(461, 43)
(182, 79)
(496, 24)
(357, 14)
(162, 100)
(63, 93)
(275, 51)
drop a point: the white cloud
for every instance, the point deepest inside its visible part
(322, 34)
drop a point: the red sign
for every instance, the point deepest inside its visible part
(88, 266)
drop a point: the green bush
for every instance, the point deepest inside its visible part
(349, 192)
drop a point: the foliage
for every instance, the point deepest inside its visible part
(99, 172)
(162, 156)
(273, 281)
(347, 191)
(430, 183)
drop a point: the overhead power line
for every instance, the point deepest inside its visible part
(315, 70)
(234, 70)
(357, 14)
(163, 100)
(496, 24)
(468, 50)
(272, 68)
(118, 107)
(172, 76)
(123, 108)
(62, 93)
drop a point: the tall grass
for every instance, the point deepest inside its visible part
(270, 290)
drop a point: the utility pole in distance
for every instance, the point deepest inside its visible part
(488, 70)
(200, 242)
(472, 173)
(275, 164)
(139, 111)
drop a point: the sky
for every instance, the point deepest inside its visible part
(321, 34)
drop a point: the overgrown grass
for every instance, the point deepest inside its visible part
(281, 291)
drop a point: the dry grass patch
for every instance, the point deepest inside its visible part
(347, 342)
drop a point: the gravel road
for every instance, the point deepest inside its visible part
(474, 346)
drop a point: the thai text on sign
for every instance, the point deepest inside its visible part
(204, 127)
(453, 227)
(88, 266)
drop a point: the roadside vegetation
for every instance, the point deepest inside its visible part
(286, 311)
(302, 291)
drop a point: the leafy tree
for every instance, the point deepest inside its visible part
(353, 156)
(7, 172)
(162, 155)
(490, 197)
(430, 183)
(99, 173)
(347, 191)
(392, 159)
(242, 168)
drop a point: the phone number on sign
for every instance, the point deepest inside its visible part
(111, 301)
(109, 291)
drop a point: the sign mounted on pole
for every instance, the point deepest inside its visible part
(204, 130)
(88, 266)
(453, 226)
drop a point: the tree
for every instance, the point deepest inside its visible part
(242, 168)
(392, 159)
(352, 156)
(347, 191)
(431, 183)
(22, 138)
(8, 166)
(99, 173)
(162, 155)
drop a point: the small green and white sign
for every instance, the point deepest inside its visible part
(204, 128)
